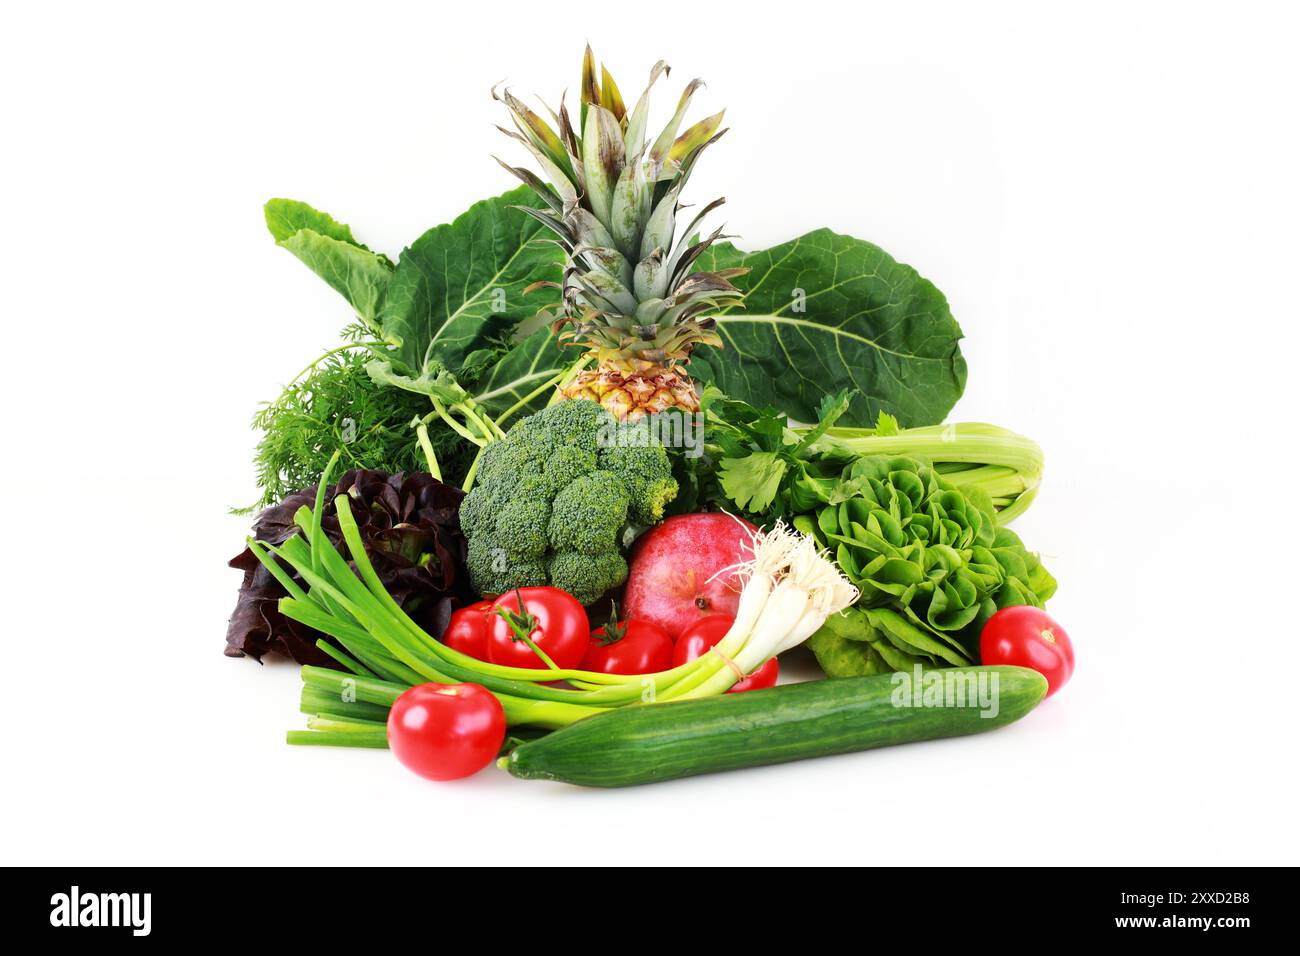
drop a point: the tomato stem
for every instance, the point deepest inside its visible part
(613, 630)
(522, 626)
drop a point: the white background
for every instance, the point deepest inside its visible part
(1107, 193)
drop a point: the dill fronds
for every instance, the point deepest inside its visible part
(336, 405)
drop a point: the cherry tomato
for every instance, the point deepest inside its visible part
(696, 640)
(1026, 637)
(629, 647)
(446, 731)
(467, 631)
(552, 619)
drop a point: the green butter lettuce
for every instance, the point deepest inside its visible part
(931, 562)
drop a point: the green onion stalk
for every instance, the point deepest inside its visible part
(1007, 466)
(383, 651)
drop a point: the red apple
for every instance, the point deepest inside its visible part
(669, 580)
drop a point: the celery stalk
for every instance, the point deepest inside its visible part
(1007, 466)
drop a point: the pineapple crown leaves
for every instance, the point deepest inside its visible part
(612, 199)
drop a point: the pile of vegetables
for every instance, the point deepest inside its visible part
(789, 590)
(590, 562)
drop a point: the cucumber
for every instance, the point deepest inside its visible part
(645, 744)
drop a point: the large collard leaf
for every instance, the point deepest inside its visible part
(826, 312)
(459, 288)
(522, 372)
(285, 217)
(328, 248)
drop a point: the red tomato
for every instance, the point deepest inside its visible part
(707, 631)
(446, 731)
(1026, 637)
(552, 619)
(467, 631)
(635, 647)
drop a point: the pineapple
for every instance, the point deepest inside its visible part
(629, 293)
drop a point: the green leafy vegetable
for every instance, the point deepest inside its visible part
(286, 217)
(440, 322)
(327, 247)
(753, 481)
(525, 377)
(826, 312)
(453, 407)
(461, 285)
(766, 467)
(930, 561)
(335, 405)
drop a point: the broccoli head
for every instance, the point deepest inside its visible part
(648, 476)
(553, 496)
(576, 572)
(588, 514)
(566, 464)
(496, 571)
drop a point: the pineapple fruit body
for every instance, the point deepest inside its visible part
(631, 395)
